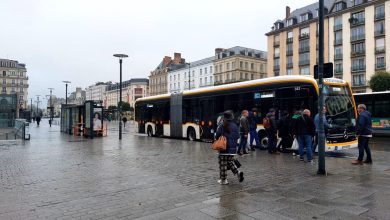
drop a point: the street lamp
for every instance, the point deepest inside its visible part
(120, 56)
(321, 131)
(51, 106)
(37, 105)
(66, 91)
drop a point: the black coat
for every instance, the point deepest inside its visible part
(304, 126)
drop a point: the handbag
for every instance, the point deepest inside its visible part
(295, 145)
(219, 144)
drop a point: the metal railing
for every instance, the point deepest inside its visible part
(379, 16)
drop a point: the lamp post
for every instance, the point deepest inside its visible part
(51, 106)
(66, 91)
(321, 131)
(189, 76)
(31, 115)
(120, 56)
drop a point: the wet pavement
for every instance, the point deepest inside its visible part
(57, 176)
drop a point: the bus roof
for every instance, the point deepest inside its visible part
(371, 93)
(269, 80)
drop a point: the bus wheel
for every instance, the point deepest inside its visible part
(263, 140)
(150, 131)
(191, 135)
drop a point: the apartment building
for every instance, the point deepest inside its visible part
(238, 64)
(14, 80)
(96, 92)
(356, 40)
(193, 75)
(158, 79)
(131, 90)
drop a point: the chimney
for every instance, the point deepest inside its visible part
(167, 60)
(177, 58)
(288, 10)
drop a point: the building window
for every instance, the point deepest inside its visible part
(216, 68)
(4, 73)
(170, 78)
(358, 64)
(340, 6)
(304, 33)
(338, 37)
(291, 21)
(289, 37)
(290, 71)
(4, 81)
(246, 65)
(252, 76)
(276, 52)
(379, 28)
(358, 80)
(276, 64)
(357, 18)
(338, 68)
(380, 62)
(241, 65)
(304, 70)
(252, 66)
(358, 33)
(246, 75)
(338, 53)
(380, 45)
(178, 76)
(211, 69)
(358, 49)
(276, 40)
(379, 12)
(205, 80)
(262, 68)
(193, 73)
(174, 77)
(304, 17)
(304, 59)
(13, 82)
(211, 79)
(220, 68)
(21, 89)
(200, 72)
(304, 46)
(338, 23)
(289, 62)
(205, 70)
(227, 66)
(359, 2)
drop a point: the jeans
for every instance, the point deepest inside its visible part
(363, 146)
(254, 136)
(305, 141)
(272, 141)
(243, 142)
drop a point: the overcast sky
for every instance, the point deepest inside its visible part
(75, 39)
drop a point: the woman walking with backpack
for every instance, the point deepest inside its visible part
(226, 157)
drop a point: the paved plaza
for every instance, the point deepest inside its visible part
(57, 176)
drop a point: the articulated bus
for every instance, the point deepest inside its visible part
(378, 103)
(193, 114)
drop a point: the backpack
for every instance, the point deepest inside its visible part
(266, 122)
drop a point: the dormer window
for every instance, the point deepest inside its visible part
(279, 25)
(305, 17)
(291, 21)
(359, 2)
(340, 6)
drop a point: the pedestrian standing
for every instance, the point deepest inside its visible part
(124, 119)
(284, 132)
(226, 159)
(317, 124)
(254, 136)
(297, 114)
(38, 119)
(305, 129)
(244, 131)
(269, 124)
(364, 133)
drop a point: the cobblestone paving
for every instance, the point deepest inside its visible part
(56, 176)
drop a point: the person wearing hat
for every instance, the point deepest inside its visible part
(226, 160)
(364, 133)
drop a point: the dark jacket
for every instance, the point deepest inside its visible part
(272, 130)
(304, 126)
(284, 126)
(293, 123)
(364, 124)
(244, 125)
(252, 121)
(231, 137)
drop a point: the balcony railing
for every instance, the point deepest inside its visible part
(338, 41)
(359, 84)
(304, 49)
(358, 53)
(356, 21)
(338, 27)
(276, 55)
(380, 49)
(304, 36)
(379, 32)
(380, 65)
(380, 15)
(276, 43)
(304, 62)
(276, 67)
(338, 56)
(289, 65)
(289, 40)
(289, 52)
(358, 37)
(358, 68)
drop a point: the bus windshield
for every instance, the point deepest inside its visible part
(340, 108)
